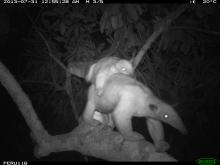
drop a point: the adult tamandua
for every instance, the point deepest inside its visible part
(104, 68)
(124, 97)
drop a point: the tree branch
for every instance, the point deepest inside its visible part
(100, 141)
(162, 26)
(207, 32)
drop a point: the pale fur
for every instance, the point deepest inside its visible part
(124, 97)
(100, 72)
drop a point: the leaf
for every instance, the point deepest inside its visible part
(101, 46)
(120, 21)
(110, 18)
(119, 34)
(76, 31)
(108, 26)
(103, 22)
(60, 39)
(62, 28)
(174, 46)
(114, 9)
(139, 9)
(132, 11)
(164, 42)
(114, 22)
(74, 15)
(132, 38)
(109, 41)
(140, 27)
(185, 47)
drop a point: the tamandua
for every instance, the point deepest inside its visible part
(124, 97)
(104, 68)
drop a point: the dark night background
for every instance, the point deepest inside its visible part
(25, 55)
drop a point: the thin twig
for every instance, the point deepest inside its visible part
(58, 87)
(195, 29)
(163, 25)
(50, 53)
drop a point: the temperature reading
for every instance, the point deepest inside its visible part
(210, 1)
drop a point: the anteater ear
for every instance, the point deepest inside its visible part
(153, 107)
(90, 73)
(132, 61)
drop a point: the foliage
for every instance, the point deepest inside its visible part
(175, 66)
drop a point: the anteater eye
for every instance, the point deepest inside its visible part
(153, 107)
(123, 69)
(166, 116)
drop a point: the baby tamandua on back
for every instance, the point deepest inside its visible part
(100, 72)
